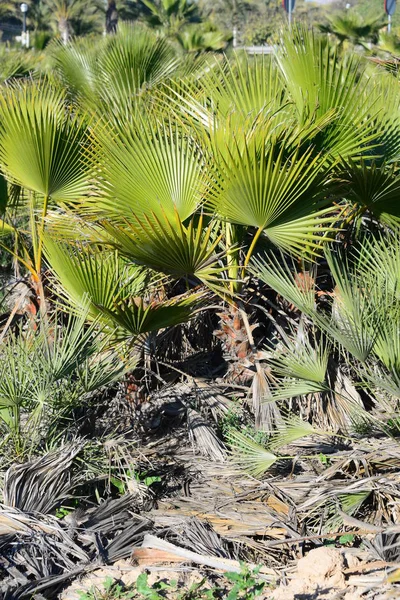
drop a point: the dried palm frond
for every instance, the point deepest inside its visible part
(209, 394)
(48, 551)
(201, 537)
(40, 485)
(204, 437)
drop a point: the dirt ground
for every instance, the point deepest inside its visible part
(324, 573)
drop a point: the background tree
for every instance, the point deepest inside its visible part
(70, 17)
(171, 15)
(111, 17)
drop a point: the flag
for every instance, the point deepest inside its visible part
(390, 7)
(288, 5)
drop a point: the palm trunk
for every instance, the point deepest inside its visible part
(111, 17)
(63, 28)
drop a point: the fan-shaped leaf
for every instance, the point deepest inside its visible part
(41, 142)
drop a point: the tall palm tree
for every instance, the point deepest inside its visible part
(68, 16)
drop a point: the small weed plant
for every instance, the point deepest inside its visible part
(245, 585)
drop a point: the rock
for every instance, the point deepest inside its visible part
(323, 566)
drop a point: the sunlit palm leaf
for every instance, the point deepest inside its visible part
(150, 170)
(244, 88)
(282, 196)
(133, 321)
(76, 66)
(300, 359)
(357, 316)
(136, 57)
(65, 348)
(169, 247)
(41, 142)
(379, 259)
(292, 388)
(373, 188)
(98, 278)
(290, 429)
(281, 278)
(319, 81)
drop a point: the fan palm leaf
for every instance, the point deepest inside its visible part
(242, 87)
(280, 196)
(373, 188)
(379, 259)
(290, 429)
(298, 358)
(249, 454)
(112, 292)
(76, 65)
(134, 58)
(41, 142)
(97, 279)
(319, 81)
(357, 315)
(189, 252)
(132, 321)
(281, 278)
(150, 170)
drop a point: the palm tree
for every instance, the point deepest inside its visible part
(171, 15)
(355, 28)
(68, 16)
(111, 17)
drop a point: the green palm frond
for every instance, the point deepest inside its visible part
(111, 291)
(357, 314)
(319, 81)
(16, 379)
(283, 279)
(64, 349)
(290, 429)
(384, 123)
(387, 342)
(133, 59)
(250, 455)
(293, 388)
(132, 321)
(97, 278)
(101, 370)
(243, 88)
(150, 170)
(260, 184)
(190, 252)
(377, 379)
(379, 259)
(351, 502)
(41, 142)
(298, 358)
(76, 67)
(280, 196)
(373, 188)
(193, 39)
